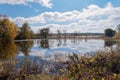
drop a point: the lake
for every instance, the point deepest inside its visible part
(50, 54)
(54, 49)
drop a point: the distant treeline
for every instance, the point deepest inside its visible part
(80, 34)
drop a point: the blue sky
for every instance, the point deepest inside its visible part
(63, 14)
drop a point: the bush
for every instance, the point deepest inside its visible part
(101, 66)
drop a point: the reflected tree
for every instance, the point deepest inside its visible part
(25, 46)
(59, 42)
(109, 43)
(59, 36)
(7, 49)
(44, 43)
(65, 42)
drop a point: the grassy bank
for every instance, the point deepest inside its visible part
(101, 66)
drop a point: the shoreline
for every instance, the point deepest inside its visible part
(77, 37)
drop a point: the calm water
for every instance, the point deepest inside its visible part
(49, 54)
(52, 49)
(60, 49)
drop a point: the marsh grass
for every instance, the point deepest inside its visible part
(100, 66)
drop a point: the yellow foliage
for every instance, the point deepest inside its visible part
(8, 29)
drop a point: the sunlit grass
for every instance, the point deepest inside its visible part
(101, 66)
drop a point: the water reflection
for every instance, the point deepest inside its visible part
(51, 47)
(7, 49)
(110, 43)
(112, 46)
(44, 43)
(45, 48)
(25, 47)
(59, 43)
(65, 44)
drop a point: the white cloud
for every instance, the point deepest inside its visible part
(91, 19)
(44, 3)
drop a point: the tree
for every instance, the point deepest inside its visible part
(118, 28)
(25, 32)
(59, 35)
(8, 29)
(109, 32)
(65, 34)
(44, 32)
(117, 35)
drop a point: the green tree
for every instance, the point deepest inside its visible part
(8, 29)
(109, 32)
(25, 32)
(44, 32)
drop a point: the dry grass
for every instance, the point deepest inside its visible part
(101, 66)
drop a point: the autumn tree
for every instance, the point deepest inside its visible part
(8, 29)
(25, 32)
